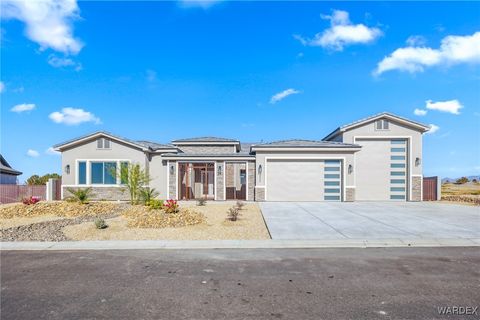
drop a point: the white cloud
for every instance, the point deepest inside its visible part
(73, 116)
(52, 152)
(433, 129)
(48, 22)
(451, 106)
(204, 4)
(57, 62)
(341, 33)
(419, 112)
(413, 41)
(23, 107)
(282, 95)
(2, 87)
(32, 153)
(453, 50)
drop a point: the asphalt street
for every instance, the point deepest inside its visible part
(384, 283)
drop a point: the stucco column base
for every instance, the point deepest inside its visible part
(349, 194)
(416, 188)
(259, 194)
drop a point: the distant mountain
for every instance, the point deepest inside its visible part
(470, 178)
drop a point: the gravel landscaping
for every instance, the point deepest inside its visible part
(64, 221)
(249, 226)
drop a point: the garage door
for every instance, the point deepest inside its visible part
(303, 180)
(381, 170)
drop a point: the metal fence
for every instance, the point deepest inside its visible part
(15, 193)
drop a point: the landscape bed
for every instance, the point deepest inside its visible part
(64, 221)
(468, 193)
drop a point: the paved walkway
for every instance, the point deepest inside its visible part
(370, 220)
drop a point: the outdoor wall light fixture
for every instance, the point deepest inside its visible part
(67, 169)
(172, 169)
(350, 168)
(219, 170)
(417, 162)
(260, 170)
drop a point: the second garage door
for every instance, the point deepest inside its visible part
(303, 180)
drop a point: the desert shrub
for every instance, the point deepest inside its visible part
(201, 201)
(233, 213)
(135, 179)
(147, 194)
(240, 205)
(30, 200)
(462, 180)
(100, 223)
(80, 195)
(155, 204)
(474, 180)
(171, 206)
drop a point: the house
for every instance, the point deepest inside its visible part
(8, 175)
(378, 158)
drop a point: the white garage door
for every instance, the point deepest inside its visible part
(303, 180)
(381, 170)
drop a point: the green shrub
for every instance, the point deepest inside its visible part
(233, 213)
(80, 195)
(100, 223)
(462, 180)
(155, 204)
(147, 194)
(201, 201)
(240, 205)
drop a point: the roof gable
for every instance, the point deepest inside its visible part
(384, 115)
(6, 168)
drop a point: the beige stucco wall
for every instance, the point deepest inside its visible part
(395, 130)
(261, 157)
(158, 174)
(89, 151)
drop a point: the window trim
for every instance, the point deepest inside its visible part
(88, 172)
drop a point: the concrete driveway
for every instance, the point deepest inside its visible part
(371, 220)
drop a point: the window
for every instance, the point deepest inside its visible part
(397, 197)
(402, 141)
(397, 165)
(397, 149)
(103, 143)
(397, 157)
(397, 189)
(332, 197)
(82, 172)
(332, 190)
(332, 169)
(103, 172)
(332, 161)
(397, 181)
(397, 173)
(381, 124)
(332, 183)
(332, 176)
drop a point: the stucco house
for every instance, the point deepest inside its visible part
(377, 158)
(8, 175)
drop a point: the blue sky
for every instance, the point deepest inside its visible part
(247, 70)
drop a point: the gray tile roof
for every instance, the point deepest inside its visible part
(155, 146)
(6, 168)
(206, 139)
(152, 146)
(294, 143)
(207, 155)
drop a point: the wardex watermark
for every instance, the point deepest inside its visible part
(458, 310)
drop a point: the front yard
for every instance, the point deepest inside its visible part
(64, 221)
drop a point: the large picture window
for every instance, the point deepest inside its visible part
(82, 172)
(103, 172)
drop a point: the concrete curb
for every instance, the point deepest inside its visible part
(238, 244)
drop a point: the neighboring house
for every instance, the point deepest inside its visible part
(377, 158)
(8, 175)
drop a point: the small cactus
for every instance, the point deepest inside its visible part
(100, 223)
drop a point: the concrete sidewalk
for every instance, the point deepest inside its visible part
(239, 244)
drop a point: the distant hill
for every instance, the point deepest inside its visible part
(470, 178)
